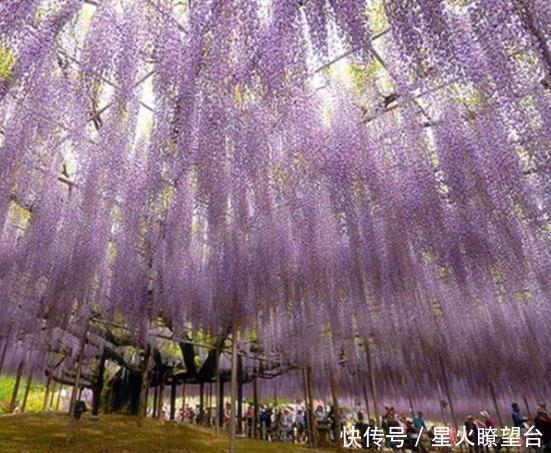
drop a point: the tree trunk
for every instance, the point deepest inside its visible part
(173, 388)
(13, 399)
(72, 416)
(77, 377)
(201, 402)
(124, 392)
(220, 402)
(58, 397)
(144, 385)
(47, 395)
(161, 396)
(233, 388)
(219, 393)
(255, 405)
(239, 395)
(310, 408)
(145, 401)
(52, 395)
(306, 405)
(209, 406)
(336, 410)
(155, 398)
(184, 397)
(27, 390)
(371, 376)
(98, 386)
(364, 387)
(3, 356)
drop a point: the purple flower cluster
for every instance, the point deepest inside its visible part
(161, 162)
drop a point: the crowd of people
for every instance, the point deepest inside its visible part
(289, 423)
(477, 434)
(285, 423)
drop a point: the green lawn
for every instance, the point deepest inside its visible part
(115, 433)
(34, 400)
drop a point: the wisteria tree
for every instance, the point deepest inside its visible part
(358, 187)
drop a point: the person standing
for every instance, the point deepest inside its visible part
(250, 420)
(362, 427)
(265, 422)
(542, 423)
(333, 419)
(518, 419)
(197, 415)
(227, 414)
(487, 420)
(319, 414)
(471, 432)
(486, 424)
(286, 426)
(300, 425)
(392, 423)
(277, 425)
(419, 422)
(420, 428)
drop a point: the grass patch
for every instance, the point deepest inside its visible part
(45, 432)
(35, 399)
